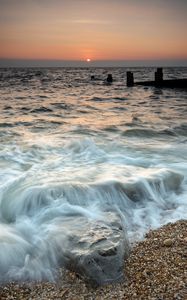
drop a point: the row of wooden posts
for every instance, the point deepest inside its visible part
(158, 77)
(130, 77)
(157, 82)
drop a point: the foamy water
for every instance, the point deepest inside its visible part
(71, 147)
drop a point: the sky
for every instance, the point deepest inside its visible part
(101, 30)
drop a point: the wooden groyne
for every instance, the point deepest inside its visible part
(158, 82)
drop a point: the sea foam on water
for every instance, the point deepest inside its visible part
(81, 155)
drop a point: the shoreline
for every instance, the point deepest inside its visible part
(155, 269)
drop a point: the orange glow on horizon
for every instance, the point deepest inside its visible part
(93, 30)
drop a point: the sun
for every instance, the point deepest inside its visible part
(88, 59)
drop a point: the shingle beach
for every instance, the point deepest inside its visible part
(155, 270)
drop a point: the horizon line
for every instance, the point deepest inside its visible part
(30, 62)
(95, 60)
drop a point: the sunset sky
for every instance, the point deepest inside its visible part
(95, 29)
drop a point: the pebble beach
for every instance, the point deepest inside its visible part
(156, 269)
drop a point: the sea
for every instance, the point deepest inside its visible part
(71, 146)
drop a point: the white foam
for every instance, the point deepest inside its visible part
(74, 150)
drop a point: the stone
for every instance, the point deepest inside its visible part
(168, 242)
(98, 250)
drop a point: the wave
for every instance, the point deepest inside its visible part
(149, 133)
(37, 222)
(41, 109)
(6, 125)
(19, 199)
(181, 129)
(7, 107)
(106, 99)
(111, 128)
(64, 106)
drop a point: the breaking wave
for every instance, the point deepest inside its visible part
(74, 153)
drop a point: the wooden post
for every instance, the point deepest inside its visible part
(109, 78)
(130, 79)
(158, 76)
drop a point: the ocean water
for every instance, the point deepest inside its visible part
(71, 147)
